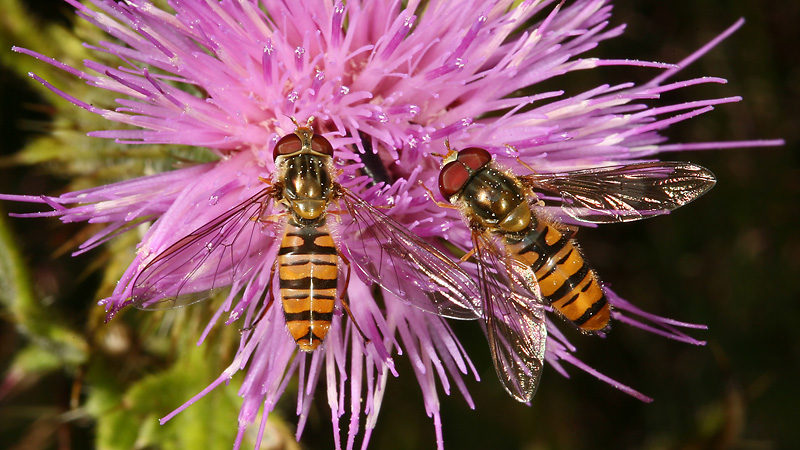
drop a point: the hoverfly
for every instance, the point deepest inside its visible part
(309, 262)
(527, 260)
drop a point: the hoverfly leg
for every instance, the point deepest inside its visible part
(273, 193)
(266, 220)
(269, 301)
(521, 162)
(525, 165)
(433, 199)
(538, 202)
(344, 301)
(383, 206)
(337, 213)
(467, 255)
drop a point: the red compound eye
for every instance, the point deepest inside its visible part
(321, 145)
(287, 145)
(452, 179)
(474, 157)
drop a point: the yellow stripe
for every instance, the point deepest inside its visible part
(551, 284)
(296, 305)
(324, 272)
(573, 264)
(552, 235)
(294, 272)
(324, 240)
(292, 241)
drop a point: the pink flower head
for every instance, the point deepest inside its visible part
(387, 84)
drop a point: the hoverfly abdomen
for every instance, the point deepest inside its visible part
(565, 279)
(308, 270)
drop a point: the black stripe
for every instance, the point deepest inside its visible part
(549, 272)
(303, 231)
(308, 247)
(306, 283)
(530, 244)
(308, 315)
(536, 241)
(591, 312)
(529, 241)
(566, 257)
(574, 297)
(555, 266)
(315, 262)
(555, 248)
(306, 295)
(569, 284)
(310, 337)
(308, 233)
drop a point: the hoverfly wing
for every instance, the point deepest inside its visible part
(207, 260)
(394, 258)
(515, 321)
(625, 193)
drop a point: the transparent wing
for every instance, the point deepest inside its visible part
(515, 319)
(207, 260)
(625, 193)
(393, 257)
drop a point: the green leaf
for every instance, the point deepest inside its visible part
(32, 318)
(128, 417)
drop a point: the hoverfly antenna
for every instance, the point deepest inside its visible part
(304, 131)
(450, 155)
(309, 122)
(450, 151)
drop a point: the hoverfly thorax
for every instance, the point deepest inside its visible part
(303, 161)
(495, 201)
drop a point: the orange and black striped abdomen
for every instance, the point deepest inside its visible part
(308, 269)
(565, 279)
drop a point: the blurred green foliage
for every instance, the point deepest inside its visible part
(731, 260)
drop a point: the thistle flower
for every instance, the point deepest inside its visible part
(387, 85)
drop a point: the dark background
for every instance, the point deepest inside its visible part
(730, 260)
